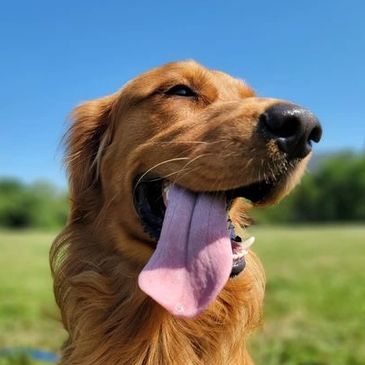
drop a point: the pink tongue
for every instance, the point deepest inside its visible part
(193, 258)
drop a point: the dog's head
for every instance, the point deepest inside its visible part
(185, 132)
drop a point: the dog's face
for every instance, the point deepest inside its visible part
(186, 125)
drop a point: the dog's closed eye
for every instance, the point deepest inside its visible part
(181, 90)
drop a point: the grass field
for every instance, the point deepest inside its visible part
(315, 299)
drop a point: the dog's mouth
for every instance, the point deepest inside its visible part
(151, 197)
(197, 247)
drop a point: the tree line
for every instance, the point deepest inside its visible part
(39, 205)
(332, 192)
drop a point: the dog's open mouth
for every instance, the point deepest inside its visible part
(151, 196)
(199, 247)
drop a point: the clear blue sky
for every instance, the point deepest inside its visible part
(54, 55)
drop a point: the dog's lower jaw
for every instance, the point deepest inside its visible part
(104, 310)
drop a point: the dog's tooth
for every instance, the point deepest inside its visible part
(166, 189)
(248, 243)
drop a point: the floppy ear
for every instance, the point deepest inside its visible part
(86, 140)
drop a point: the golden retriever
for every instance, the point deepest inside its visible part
(154, 266)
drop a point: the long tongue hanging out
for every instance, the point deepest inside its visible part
(193, 258)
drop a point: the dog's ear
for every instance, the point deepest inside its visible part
(86, 140)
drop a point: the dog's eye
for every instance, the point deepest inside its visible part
(181, 90)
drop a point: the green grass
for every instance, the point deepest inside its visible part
(314, 306)
(315, 298)
(28, 315)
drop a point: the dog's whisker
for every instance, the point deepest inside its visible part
(183, 173)
(174, 173)
(158, 165)
(196, 158)
(183, 169)
(186, 142)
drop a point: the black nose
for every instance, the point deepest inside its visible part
(292, 127)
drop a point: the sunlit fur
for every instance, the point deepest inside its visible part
(209, 143)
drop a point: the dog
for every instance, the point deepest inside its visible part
(154, 266)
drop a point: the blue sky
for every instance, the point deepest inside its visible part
(56, 54)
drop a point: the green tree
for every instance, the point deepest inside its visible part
(335, 191)
(39, 205)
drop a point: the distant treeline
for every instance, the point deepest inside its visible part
(39, 205)
(334, 191)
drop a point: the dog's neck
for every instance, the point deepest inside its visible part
(110, 321)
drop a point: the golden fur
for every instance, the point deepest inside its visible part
(96, 260)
